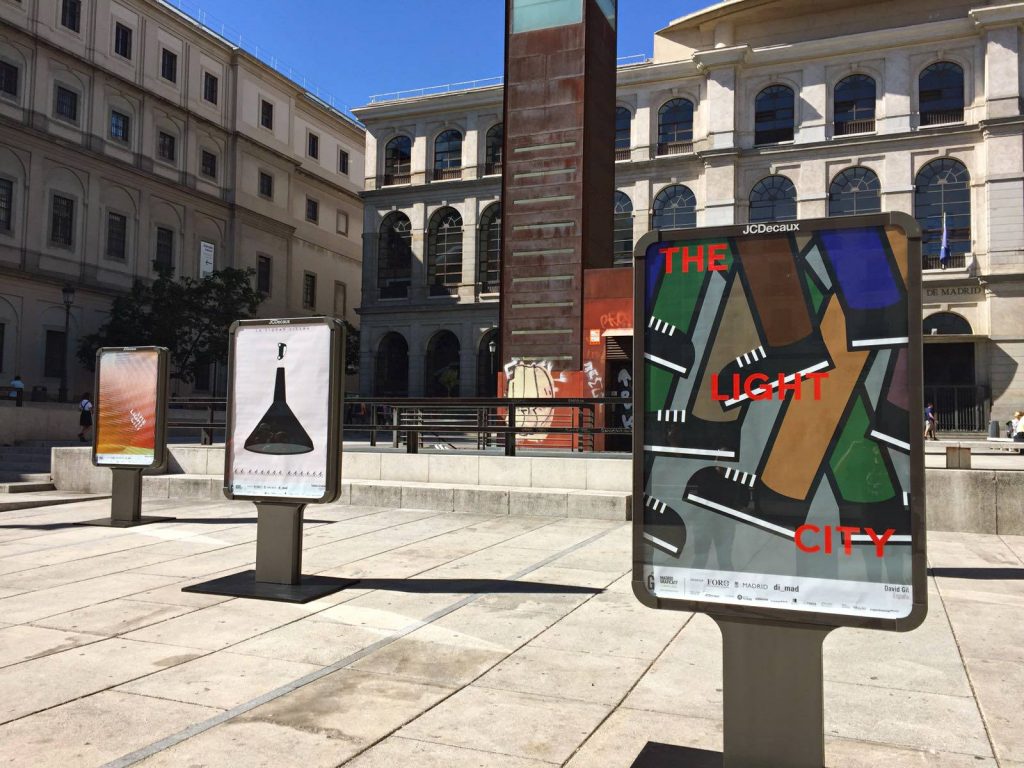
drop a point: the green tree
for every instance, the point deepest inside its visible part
(190, 317)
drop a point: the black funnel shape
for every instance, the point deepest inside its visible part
(279, 432)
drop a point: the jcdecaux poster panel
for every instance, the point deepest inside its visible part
(282, 410)
(779, 463)
(130, 406)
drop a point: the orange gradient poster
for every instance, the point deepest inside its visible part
(126, 407)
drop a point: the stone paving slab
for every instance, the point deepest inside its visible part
(470, 641)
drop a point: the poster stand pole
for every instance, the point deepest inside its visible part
(773, 707)
(279, 542)
(278, 573)
(125, 501)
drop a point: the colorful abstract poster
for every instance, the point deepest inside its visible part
(780, 439)
(279, 400)
(128, 386)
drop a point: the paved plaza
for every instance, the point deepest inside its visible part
(470, 641)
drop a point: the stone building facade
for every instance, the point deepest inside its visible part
(131, 135)
(750, 110)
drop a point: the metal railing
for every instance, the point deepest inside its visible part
(444, 174)
(942, 117)
(959, 408)
(673, 148)
(442, 423)
(489, 169)
(849, 127)
(955, 261)
(391, 179)
(623, 154)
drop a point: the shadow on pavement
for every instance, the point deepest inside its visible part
(657, 755)
(475, 586)
(1000, 574)
(205, 520)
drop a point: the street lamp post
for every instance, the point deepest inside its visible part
(68, 296)
(492, 348)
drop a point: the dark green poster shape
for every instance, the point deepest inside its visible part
(778, 449)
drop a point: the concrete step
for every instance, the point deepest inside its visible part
(441, 497)
(27, 487)
(24, 466)
(24, 477)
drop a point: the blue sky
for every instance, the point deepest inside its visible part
(353, 49)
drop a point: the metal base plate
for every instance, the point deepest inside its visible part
(110, 522)
(244, 584)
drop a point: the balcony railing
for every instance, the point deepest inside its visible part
(490, 169)
(673, 148)
(849, 127)
(955, 261)
(623, 154)
(391, 179)
(942, 117)
(444, 174)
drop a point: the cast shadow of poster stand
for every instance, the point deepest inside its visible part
(658, 755)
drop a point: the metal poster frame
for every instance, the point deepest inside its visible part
(160, 428)
(760, 613)
(334, 406)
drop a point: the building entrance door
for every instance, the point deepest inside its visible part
(949, 384)
(619, 383)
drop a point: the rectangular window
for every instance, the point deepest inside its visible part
(340, 299)
(2, 329)
(313, 146)
(343, 162)
(53, 355)
(312, 210)
(342, 223)
(66, 104)
(208, 164)
(6, 204)
(164, 249)
(267, 114)
(309, 291)
(166, 147)
(71, 14)
(169, 65)
(266, 185)
(210, 87)
(8, 79)
(120, 126)
(117, 236)
(122, 40)
(263, 275)
(62, 221)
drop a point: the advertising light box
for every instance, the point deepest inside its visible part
(778, 446)
(131, 392)
(284, 410)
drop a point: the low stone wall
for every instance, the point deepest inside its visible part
(37, 421)
(968, 501)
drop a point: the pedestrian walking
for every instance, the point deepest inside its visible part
(85, 417)
(1018, 429)
(929, 422)
(1013, 423)
(17, 390)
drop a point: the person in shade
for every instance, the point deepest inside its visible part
(929, 422)
(17, 390)
(84, 417)
(1018, 427)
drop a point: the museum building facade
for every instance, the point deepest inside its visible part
(749, 111)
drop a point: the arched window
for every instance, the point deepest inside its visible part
(942, 202)
(398, 160)
(773, 198)
(622, 255)
(394, 256)
(675, 127)
(489, 249)
(487, 362)
(391, 370)
(448, 155)
(441, 372)
(940, 94)
(493, 149)
(853, 191)
(946, 324)
(773, 115)
(853, 105)
(675, 207)
(444, 252)
(623, 136)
